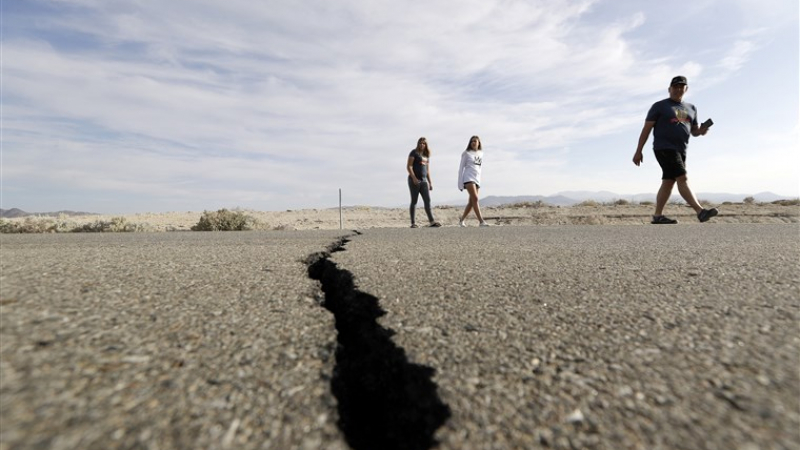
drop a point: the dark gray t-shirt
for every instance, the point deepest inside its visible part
(674, 121)
(420, 165)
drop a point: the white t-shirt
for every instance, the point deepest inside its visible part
(470, 168)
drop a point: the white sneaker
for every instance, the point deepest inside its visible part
(461, 224)
(483, 224)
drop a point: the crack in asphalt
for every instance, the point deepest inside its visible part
(384, 401)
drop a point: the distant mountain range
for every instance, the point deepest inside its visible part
(16, 212)
(565, 198)
(569, 198)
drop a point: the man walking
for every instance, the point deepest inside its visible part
(673, 121)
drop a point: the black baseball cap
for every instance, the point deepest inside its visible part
(680, 79)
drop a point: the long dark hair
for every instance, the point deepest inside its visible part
(480, 147)
(425, 153)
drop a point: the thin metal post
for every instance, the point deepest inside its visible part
(341, 225)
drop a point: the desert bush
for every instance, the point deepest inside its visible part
(28, 225)
(591, 203)
(621, 202)
(787, 202)
(115, 225)
(536, 204)
(36, 225)
(647, 203)
(225, 220)
(749, 200)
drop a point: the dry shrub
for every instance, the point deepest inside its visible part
(787, 202)
(225, 220)
(590, 203)
(61, 225)
(536, 204)
(115, 225)
(32, 225)
(647, 203)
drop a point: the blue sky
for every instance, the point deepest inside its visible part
(153, 106)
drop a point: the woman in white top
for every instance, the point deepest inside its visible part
(469, 178)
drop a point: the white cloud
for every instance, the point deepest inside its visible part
(737, 56)
(287, 101)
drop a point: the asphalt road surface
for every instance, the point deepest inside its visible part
(597, 337)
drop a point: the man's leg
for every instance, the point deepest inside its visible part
(663, 196)
(687, 194)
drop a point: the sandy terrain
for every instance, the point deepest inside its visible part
(360, 217)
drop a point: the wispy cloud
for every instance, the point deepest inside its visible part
(240, 103)
(737, 56)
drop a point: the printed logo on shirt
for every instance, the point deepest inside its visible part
(478, 160)
(681, 116)
(424, 161)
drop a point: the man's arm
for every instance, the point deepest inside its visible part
(638, 157)
(699, 131)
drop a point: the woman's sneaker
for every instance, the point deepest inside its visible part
(461, 224)
(483, 224)
(706, 214)
(660, 220)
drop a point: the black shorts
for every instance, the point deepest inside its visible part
(672, 162)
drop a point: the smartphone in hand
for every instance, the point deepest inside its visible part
(707, 123)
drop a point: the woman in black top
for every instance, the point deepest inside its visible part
(419, 180)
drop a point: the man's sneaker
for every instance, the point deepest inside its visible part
(706, 214)
(660, 220)
(483, 224)
(461, 224)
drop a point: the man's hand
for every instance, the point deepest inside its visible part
(638, 157)
(646, 129)
(700, 130)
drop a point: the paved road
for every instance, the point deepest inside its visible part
(603, 337)
(164, 341)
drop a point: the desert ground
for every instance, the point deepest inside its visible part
(365, 217)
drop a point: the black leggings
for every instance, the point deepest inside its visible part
(416, 189)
